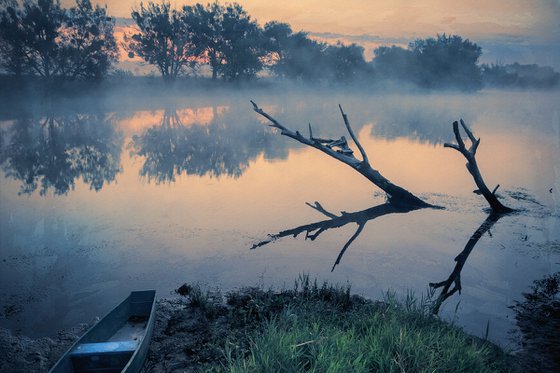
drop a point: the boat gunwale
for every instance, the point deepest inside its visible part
(149, 328)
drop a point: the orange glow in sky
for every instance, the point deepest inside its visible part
(398, 18)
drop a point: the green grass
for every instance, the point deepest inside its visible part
(324, 329)
(318, 328)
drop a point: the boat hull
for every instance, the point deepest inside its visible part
(117, 343)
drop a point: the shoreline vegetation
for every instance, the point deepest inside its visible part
(309, 327)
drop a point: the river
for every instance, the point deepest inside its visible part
(99, 197)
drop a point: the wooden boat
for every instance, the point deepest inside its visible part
(117, 343)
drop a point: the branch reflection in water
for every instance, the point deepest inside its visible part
(53, 152)
(313, 230)
(455, 276)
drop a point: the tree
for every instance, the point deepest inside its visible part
(243, 45)
(230, 41)
(520, 75)
(393, 63)
(206, 23)
(39, 37)
(293, 53)
(88, 43)
(164, 40)
(446, 61)
(345, 62)
(29, 33)
(12, 56)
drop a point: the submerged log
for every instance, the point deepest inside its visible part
(472, 166)
(339, 150)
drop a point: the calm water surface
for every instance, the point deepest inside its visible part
(100, 200)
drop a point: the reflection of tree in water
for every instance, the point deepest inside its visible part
(51, 153)
(424, 126)
(225, 146)
(455, 276)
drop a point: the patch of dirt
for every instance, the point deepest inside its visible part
(20, 354)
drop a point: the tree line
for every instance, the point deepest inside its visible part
(41, 38)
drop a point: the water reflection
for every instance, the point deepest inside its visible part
(313, 230)
(51, 153)
(223, 146)
(421, 125)
(455, 276)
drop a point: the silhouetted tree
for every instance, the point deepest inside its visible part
(243, 46)
(294, 54)
(231, 42)
(12, 55)
(392, 63)
(345, 62)
(164, 40)
(88, 43)
(446, 61)
(206, 21)
(517, 75)
(41, 38)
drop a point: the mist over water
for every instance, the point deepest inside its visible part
(101, 195)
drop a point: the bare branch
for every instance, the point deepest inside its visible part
(275, 123)
(452, 146)
(354, 138)
(458, 137)
(468, 132)
(313, 236)
(495, 189)
(472, 166)
(339, 150)
(317, 206)
(349, 159)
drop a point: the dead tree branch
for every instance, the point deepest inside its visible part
(339, 150)
(313, 230)
(455, 276)
(472, 166)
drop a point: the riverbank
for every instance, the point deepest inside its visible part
(307, 327)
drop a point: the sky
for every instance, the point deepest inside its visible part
(522, 29)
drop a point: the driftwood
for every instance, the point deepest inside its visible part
(313, 230)
(455, 276)
(339, 150)
(472, 167)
